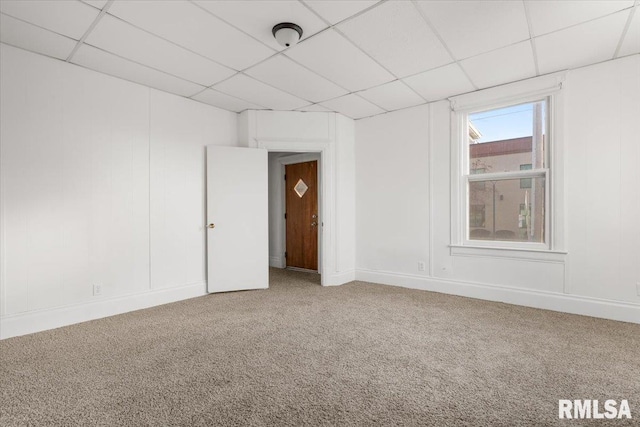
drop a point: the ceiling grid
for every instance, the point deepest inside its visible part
(104, 10)
(359, 58)
(633, 12)
(531, 39)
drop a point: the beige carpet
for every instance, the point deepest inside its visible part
(300, 354)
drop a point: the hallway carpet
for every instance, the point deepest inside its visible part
(301, 354)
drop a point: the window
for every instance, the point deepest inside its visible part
(507, 154)
(506, 174)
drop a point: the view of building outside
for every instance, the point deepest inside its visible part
(507, 209)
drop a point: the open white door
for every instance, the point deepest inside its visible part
(237, 219)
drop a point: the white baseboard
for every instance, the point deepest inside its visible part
(276, 261)
(26, 323)
(341, 278)
(606, 309)
(42, 320)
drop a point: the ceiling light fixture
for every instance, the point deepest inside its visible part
(287, 34)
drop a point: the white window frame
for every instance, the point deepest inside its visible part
(543, 88)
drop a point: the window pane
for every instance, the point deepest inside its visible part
(525, 182)
(502, 210)
(502, 140)
(476, 216)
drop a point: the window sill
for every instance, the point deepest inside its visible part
(540, 255)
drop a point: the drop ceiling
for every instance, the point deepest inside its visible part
(359, 58)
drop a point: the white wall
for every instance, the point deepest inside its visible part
(403, 215)
(392, 187)
(276, 247)
(603, 160)
(345, 185)
(102, 183)
(334, 135)
(179, 131)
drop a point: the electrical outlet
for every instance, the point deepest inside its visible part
(97, 290)
(420, 265)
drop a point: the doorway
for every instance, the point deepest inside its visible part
(295, 211)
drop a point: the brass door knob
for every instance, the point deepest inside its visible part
(212, 225)
(313, 224)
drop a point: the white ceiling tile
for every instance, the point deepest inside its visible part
(221, 100)
(395, 34)
(472, 27)
(187, 25)
(26, 36)
(285, 74)
(353, 106)
(334, 57)
(392, 96)
(116, 36)
(336, 11)
(631, 42)
(491, 69)
(258, 17)
(440, 83)
(70, 18)
(547, 16)
(99, 4)
(108, 63)
(252, 90)
(583, 44)
(313, 108)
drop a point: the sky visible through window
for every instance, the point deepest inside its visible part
(504, 123)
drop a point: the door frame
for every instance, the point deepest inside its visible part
(328, 255)
(292, 160)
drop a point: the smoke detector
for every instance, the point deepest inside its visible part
(287, 34)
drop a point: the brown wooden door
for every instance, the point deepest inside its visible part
(302, 215)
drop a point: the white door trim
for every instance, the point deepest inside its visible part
(326, 235)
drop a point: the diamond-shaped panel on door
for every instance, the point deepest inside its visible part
(300, 188)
